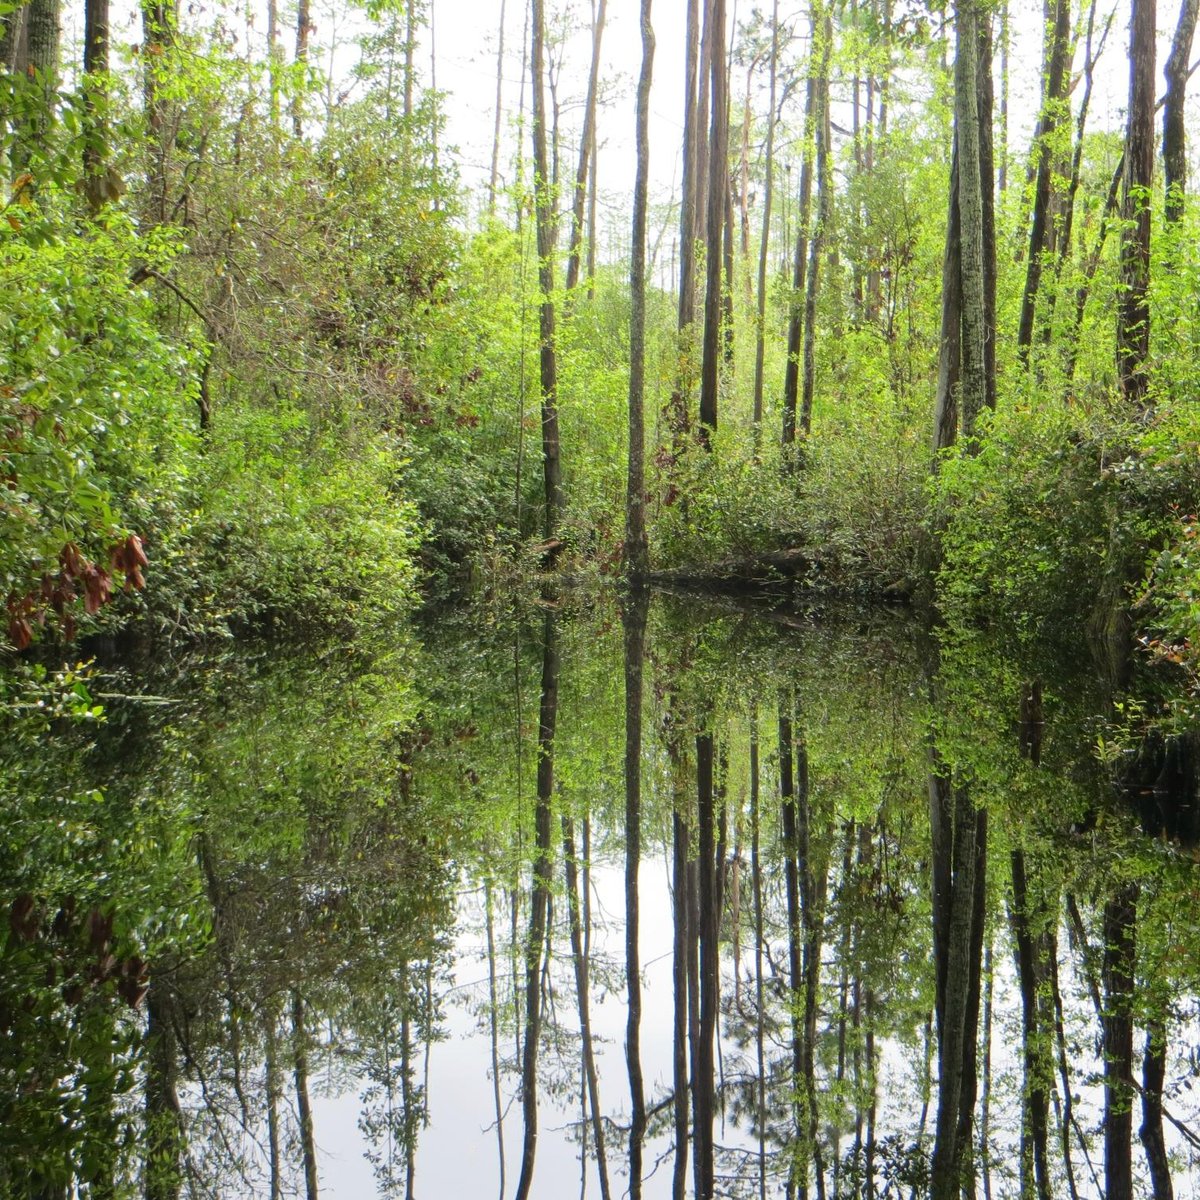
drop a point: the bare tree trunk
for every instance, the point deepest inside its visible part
(585, 150)
(759, 999)
(691, 139)
(1120, 956)
(544, 204)
(945, 421)
(1154, 1074)
(99, 182)
(1174, 133)
(824, 217)
(495, 174)
(274, 1084)
(1055, 81)
(634, 616)
(710, 368)
(795, 937)
(636, 550)
(303, 29)
(308, 1145)
(494, 1029)
(539, 896)
(582, 994)
(760, 329)
(791, 377)
(1133, 300)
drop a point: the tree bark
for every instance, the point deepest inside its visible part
(544, 205)
(1120, 957)
(539, 898)
(1154, 1074)
(634, 621)
(710, 368)
(308, 1145)
(303, 29)
(636, 550)
(494, 177)
(1055, 111)
(760, 328)
(1133, 301)
(585, 149)
(1174, 133)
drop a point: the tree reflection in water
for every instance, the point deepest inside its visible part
(764, 956)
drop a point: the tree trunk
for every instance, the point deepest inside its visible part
(582, 995)
(824, 217)
(1055, 111)
(760, 328)
(710, 368)
(634, 620)
(164, 1125)
(636, 551)
(1133, 299)
(303, 29)
(1154, 1074)
(493, 179)
(308, 1145)
(544, 205)
(795, 936)
(1120, 957)
(100, 185)
(539, 897)
(1174, 134)
(585, 150)
(791, 377)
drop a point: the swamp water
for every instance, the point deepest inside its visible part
(356, 921)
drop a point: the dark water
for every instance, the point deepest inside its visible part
(727, 904)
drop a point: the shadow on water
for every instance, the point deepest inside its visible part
(653, 899)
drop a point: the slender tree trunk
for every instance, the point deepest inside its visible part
(709, 896)
(945, 422)
(760, 328)
(582, 994)
(494, 1030)
(308, 1144)
(164, 1124)
(797, 1166)
(1174, 133)
(759, 999)
(1154, 1074)
(824, 217)
(99, 183)
(1133, 300)
(585, 149)
(718, 156)
(303, 29)
(634, 615)
(544, 204)
(691, 140)
(539, 897)
(1120, 956)
(636, 551)
(495, 174)
(1055, 112)
(791, 377)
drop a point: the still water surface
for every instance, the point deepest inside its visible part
(356, 921)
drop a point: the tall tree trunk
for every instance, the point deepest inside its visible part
(760, 1116)
(1133, 300)
(164, 1125)
(494, 1030)
(303, 29)
(1120, 957)
(634, 621)
(1055, 111)
(760, 327)
(585, 149)
(709, 897)
(544, 204)
(945, 421)
(1174, 134)
(1154, 1074)
(795, 936)
(824, 217)
(636, 550)
(582, 994)
(539, 898)
(688, 217)
(308, 1144)
(710, 369)
(493, 179)
(100, 184)
(791, 376)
